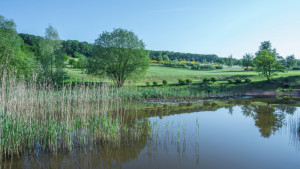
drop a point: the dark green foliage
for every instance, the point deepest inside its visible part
(175, 64)
(230, 61)
(207, 67)
(214, 79)
(247, 60)
(219, 67)
(184, 56)
(296, 68)
(230, 81)
(247, 80)
(155, 83)
(165, 83)
(147, 83)
(188, 81)
(197, 66)
(181, 81)
(238, 80)
(291, 61)
(286, 85)
(72, 62)
(72, 47)
(206, 80)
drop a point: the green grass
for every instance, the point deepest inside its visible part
(159, 73)
(76, 75)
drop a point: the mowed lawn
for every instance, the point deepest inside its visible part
(159, 72)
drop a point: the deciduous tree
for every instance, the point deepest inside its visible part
(267, 61)
(118, 55)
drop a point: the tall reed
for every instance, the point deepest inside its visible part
(35, 115)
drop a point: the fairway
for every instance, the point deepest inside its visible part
(157, 72)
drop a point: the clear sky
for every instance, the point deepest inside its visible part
(221, 27)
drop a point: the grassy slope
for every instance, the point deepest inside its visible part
(159, 73)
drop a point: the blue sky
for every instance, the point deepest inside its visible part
(221, 27)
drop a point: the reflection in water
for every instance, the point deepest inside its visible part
(212, 134)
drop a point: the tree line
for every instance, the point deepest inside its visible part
(117, 54)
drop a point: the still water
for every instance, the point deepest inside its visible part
(245, 133)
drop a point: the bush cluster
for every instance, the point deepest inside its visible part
(219, 67)
(181, 81)
(296, 68)
(230, 81)
(188, 81)
(247, 80)
(206, 80)
(213, 79)
(165, 83)
(238, 80)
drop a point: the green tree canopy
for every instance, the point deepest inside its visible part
(49, 47)
(291, 61)
(247, 60)
(118, 55)
(267, 61)
(14, 55)
(229, 61)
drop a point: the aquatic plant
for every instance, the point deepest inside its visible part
(52, 118)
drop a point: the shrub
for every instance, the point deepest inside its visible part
(247, 80)
(188, 81)
(230, 81)
(147, 84)
(296, 68)
(219, 67)
(165, 83)
(71, 62)
(181, 82)
(213, 79)
(196, 66)
(155, 83)
(206, 80)
(286, 85)
(249, 68)
(207, 67)
(238, 80)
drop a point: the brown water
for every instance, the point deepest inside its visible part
(244, 133)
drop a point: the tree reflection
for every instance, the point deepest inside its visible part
(267, 120)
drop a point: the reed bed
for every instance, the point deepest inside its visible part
(50, 118)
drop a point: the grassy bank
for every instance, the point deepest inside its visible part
(136, 88)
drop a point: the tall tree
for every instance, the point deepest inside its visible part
(247, 60)
(13, 52)
(291, 61)
(166, 58)
(267, 61)
(159, 58)
(49, 47)
(118, 54)
(59, 63)
(82, 62)
(229, 61)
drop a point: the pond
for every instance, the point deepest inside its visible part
(242, 133)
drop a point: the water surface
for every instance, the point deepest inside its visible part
(245, 133)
